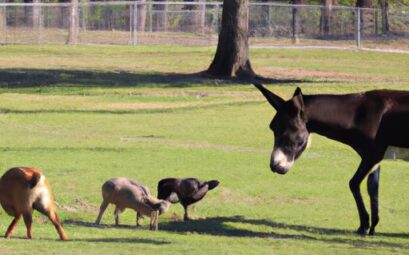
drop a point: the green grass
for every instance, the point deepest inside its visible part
(85, 114)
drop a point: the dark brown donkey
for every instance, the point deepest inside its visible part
(369, 122)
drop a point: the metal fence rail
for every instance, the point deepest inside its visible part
(198, 23)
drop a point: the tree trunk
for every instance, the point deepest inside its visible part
(27, 14)
(232, 54)
(195, 20)
(201, 16)
(63, 12)
(267, 30)
(384, 11)
(3, 25)
(36, 14)
(296, 21)
(365, 15)
(364, 3)
(161, 18)
(141, 15)
(326, 16)
(74, 23)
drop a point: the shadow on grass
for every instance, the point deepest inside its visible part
(93, 225)
(136, 111)
(98, 240)
(28, 78)
(110, 239)
(121, 240)
(219, 226)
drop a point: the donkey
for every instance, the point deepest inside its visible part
(368, 122)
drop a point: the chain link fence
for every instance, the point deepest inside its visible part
(198, 23)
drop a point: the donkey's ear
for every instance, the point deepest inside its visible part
(297, 92)
(298, 99)
(272, 98)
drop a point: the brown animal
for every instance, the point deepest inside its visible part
(125, 193)
(23, 189)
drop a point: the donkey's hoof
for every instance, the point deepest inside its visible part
(361, 231)
(371, 232)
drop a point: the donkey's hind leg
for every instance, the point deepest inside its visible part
(373, 190)
(364, 168)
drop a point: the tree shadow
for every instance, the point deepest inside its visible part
(62, 149)
(219, 226)
(29, 78)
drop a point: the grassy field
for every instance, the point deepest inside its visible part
(86, 114)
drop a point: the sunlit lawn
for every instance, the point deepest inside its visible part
(88, 113)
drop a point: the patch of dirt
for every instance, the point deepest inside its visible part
(141, 106)
(197, 94)
(84, 206)
(302, 73)
(80, 205)
(176, 217)
(218, 146)
(295, 200)
(229, 195)
(175, 143)
(64, 207)
(41, 219)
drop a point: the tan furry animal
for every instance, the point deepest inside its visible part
(23, 189)
(125, 193)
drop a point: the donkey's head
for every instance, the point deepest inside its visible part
(289, 128)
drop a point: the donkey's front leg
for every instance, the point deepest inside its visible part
(354, 185)
(373, 189)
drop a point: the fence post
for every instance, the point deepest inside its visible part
(84, 18)
(40, 23)
(131, 7)
(74, 23)
(376, 21)
(216, 18)
(296, 24)
(3, 24)
(202, 16)
(134, 23)
(150, 16)
(166, 19)
(36, 12)
(358, 27)
(142, 8)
